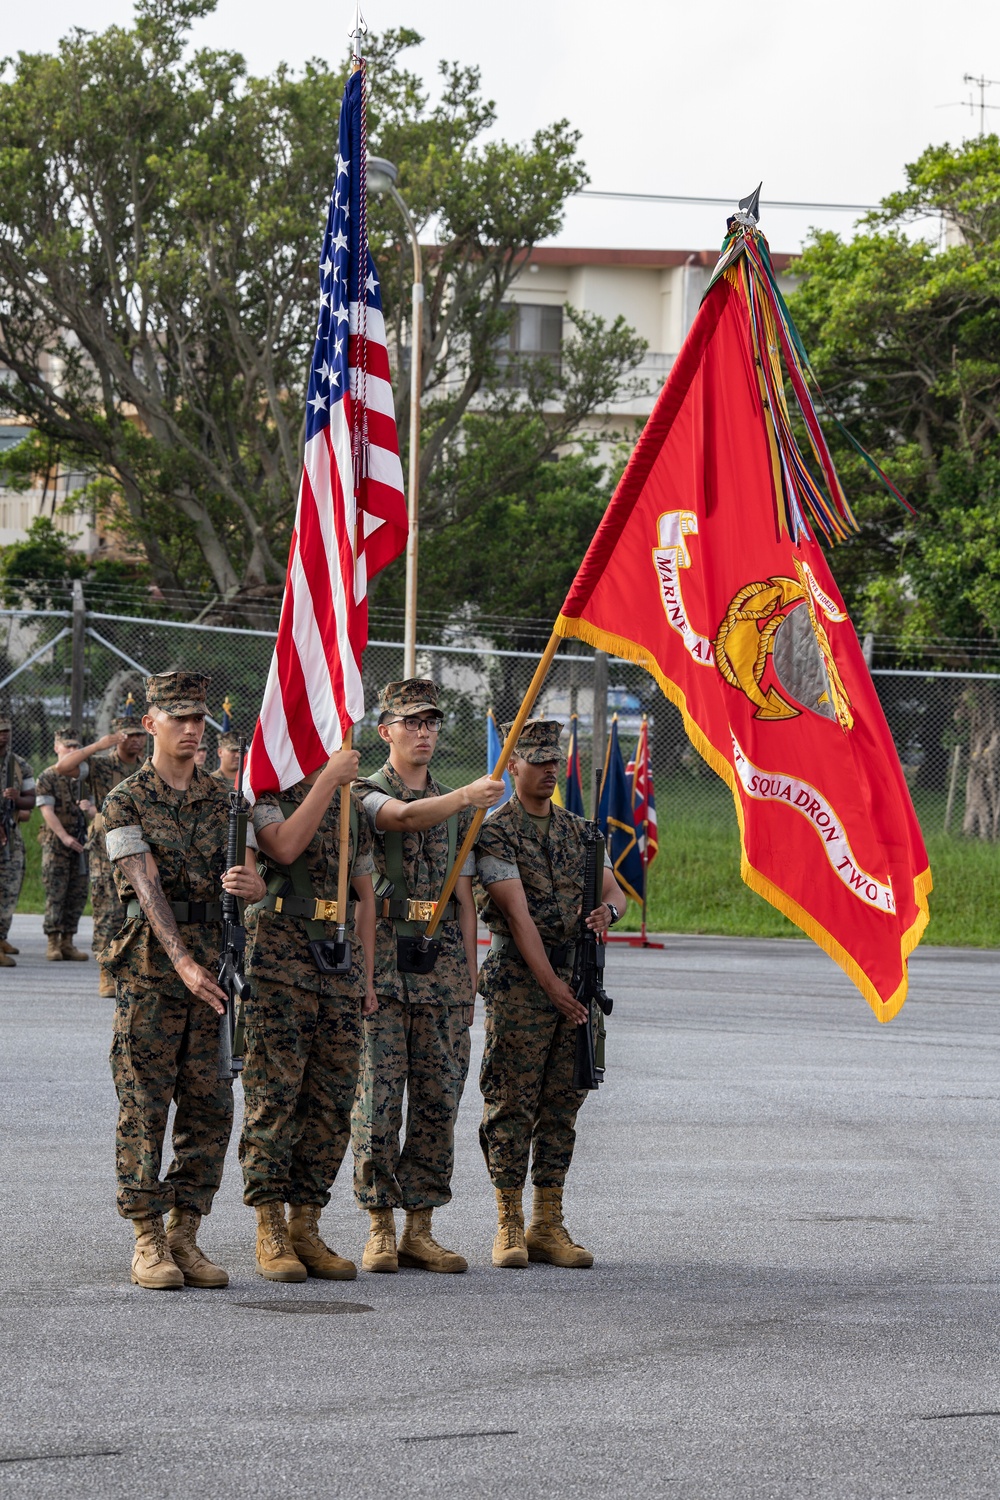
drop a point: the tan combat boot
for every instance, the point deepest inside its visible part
(548, 1238)
(318, 1259)
(71, 954)
(53, 950)
(153, 1266)
(419, 1248)
(106, 983)
(195, 1266)
(276, 1260)
(380, 1249)
(6, 962)
(509, 1247)
(6, 947)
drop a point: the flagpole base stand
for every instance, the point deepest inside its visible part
(632, 940)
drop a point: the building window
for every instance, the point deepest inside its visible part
(535, 333)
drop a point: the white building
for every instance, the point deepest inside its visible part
(657, 292)
(47, 497)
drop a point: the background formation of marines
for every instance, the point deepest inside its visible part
(335, 1038)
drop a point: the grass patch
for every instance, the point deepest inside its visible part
(695, 884)
(32, 891)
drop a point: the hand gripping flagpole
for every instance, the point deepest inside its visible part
(523, 713)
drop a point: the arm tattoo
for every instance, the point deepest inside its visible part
(155, 905)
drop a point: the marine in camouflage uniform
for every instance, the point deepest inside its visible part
(228, 747)
(64, 863)
(418, 1039)
(530, 858)
(20, 791)
(303, 1025)
(166, 836)
(104, 764)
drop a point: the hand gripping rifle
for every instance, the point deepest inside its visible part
(588, 972)
(80, 832)
(6, 810)
(231, 978)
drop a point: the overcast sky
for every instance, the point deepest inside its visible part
(825, 103)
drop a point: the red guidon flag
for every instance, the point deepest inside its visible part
(712, 539)
(350, 519)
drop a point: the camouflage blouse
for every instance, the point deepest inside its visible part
(186, 833)
(277, 945)
(102, 772)
(59, 793)
(549, 865)
(425, 866)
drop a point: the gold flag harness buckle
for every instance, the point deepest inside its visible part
(316, 911)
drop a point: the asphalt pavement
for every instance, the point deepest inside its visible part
(794, 1217)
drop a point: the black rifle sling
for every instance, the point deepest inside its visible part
(392, 842)
(298, 874)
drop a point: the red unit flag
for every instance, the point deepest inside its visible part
(711, 537)
(640, 776)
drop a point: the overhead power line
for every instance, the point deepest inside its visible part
(847, 208)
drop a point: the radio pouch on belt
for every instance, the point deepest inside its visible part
(414, 953)
(330, 957)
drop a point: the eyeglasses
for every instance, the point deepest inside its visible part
(412, 726)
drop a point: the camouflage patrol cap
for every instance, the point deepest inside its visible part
(127, 723)
(68, 737)
(539, 741)
(228, 739)
(177, 693)
(5, 723)
(417, 695)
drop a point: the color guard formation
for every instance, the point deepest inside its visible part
(337, 1037)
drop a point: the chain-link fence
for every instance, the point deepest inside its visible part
(946, 724)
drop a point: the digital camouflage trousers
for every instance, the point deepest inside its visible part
(109, 914)
(526, 1079)
(11, 880)
(423, 1049)
(302, 1052)
(165, 1049)
(65, 889)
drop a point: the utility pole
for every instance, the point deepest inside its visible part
(78, 669)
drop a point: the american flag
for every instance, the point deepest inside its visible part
(350, 520)
(640, 776)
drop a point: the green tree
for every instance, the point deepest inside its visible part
(36, 570)
(905, 339)
(158, 236)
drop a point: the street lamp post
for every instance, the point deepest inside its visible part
(382, 179)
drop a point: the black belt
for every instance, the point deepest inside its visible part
(417, 911)
(184, 911)
(312, 908)
(558, 954)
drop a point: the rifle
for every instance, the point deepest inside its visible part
(588, 973)
(231, 978)
(7, 809)
(81, 825)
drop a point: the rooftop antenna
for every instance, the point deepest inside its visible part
(982, 84)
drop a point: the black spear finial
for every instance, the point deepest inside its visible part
(749, 209)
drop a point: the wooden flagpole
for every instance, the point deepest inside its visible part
(523, 714)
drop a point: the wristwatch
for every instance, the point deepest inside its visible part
(615, 913)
